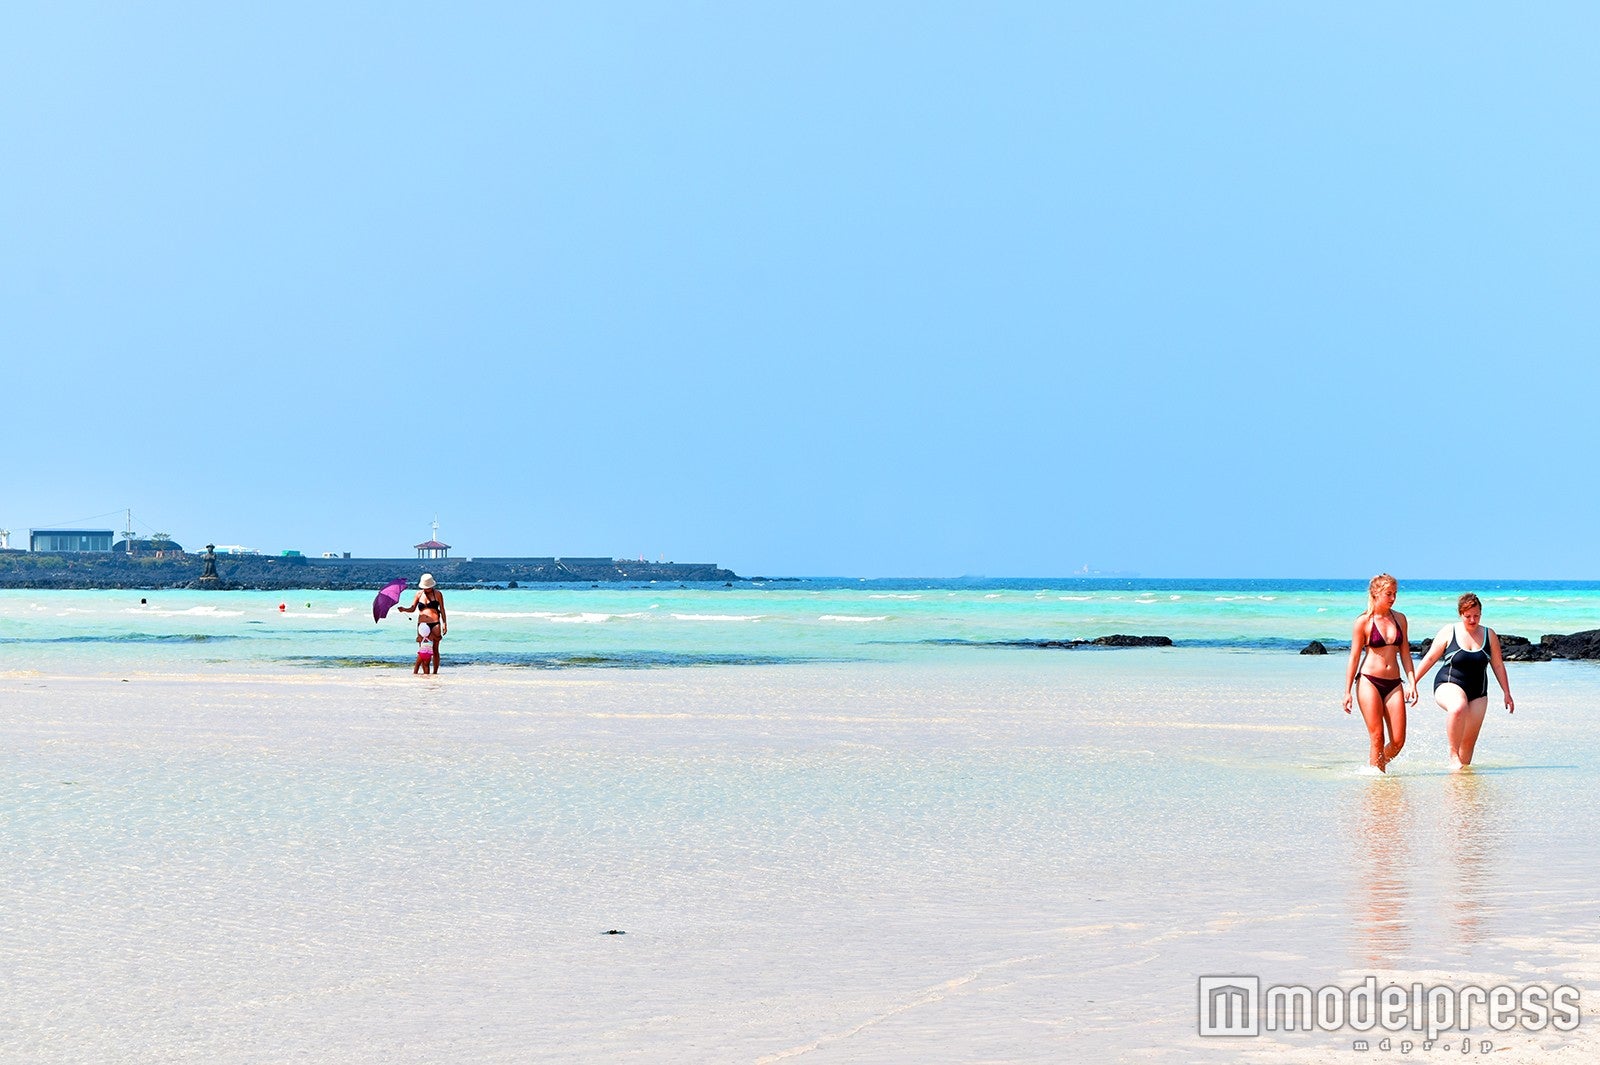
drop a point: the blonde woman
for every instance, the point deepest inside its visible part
(1379, 644)
(1461, 689)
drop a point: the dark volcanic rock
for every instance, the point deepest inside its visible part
(1120, 640)
(1521, 649)
(211, 586)
(1315, 647)
(1584, 644)
(26, 569)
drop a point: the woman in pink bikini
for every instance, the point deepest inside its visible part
(1378, 644)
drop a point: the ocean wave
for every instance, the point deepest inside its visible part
(586, 617)
(1041, 644)
(192, 612)
(1074, 598)
(892, 595)
(958, 642)
(1237, 643)
(548, 660)
(129, 637)
(853, 617)
(590, 618)
(718, 617)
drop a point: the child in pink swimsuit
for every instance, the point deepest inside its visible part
(424, 650)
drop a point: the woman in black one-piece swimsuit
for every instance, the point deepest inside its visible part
(1462, 687)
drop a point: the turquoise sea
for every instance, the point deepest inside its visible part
(832, 821)
(901, 620)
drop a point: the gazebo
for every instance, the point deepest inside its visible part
(433, 549)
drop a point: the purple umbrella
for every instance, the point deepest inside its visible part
(387, 598)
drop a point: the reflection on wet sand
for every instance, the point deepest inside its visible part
(1382, 856)
(1473, 830)
(1424, 851)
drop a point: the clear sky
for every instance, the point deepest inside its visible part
(876, 289)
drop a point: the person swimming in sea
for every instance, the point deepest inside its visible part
(1469, 650)
(1379, 644)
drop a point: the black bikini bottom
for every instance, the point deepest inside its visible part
(1385, 685)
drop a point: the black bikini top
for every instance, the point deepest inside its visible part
(1375, 636)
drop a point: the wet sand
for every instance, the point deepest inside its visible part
(854, 862)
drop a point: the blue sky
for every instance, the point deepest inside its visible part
(887, 289)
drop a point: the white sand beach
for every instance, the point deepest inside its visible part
(993, 861)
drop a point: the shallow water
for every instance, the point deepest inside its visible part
(959, 854)
(558, 627)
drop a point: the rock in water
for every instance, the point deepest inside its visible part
(1584, 644)
(1521, 649)
(1120, 640)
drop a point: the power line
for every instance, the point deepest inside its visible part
(77, 521)
(138, 523)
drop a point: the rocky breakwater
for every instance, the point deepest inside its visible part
(25, 569)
